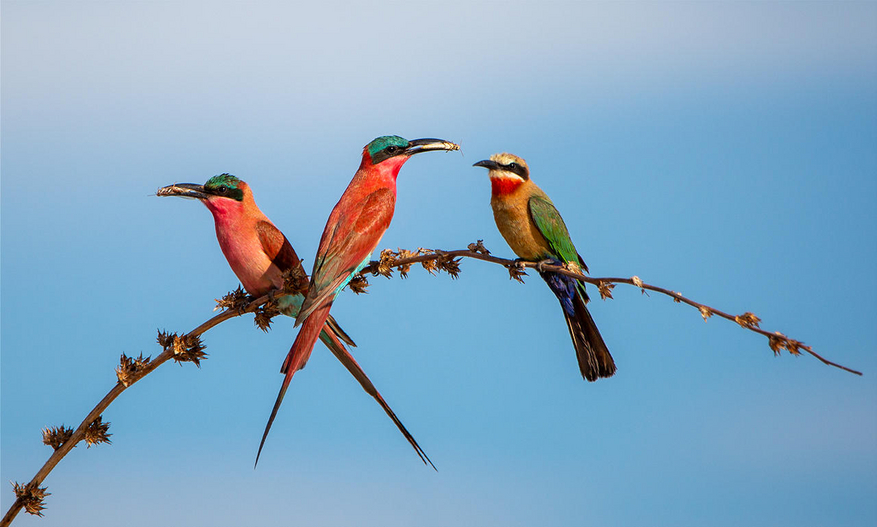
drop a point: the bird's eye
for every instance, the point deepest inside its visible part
(512, 165)
(393, 150)
(222, 190)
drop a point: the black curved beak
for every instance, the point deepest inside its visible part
(488, 164)
(425, 145)
(183, 190)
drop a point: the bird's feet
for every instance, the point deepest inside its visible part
(517, 270)
(540, 265)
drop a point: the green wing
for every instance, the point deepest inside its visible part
(551, 225)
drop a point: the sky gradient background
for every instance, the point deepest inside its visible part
(724, 150)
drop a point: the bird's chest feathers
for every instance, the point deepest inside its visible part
(242, 248)
(512, 214)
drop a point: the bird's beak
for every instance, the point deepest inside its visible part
(183, 190)
(425, 145)
(488, 164)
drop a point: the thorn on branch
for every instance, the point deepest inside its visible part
(404, 268)
(359, 284)
(677, 296)
(776, 342)
(779, 342)
(705, 312)
(130, 370)
(639, 283)
(605, 289)
(188, 348)
(56, 436)
(31, 497)
(478, 247)
(431, 266)
(236, 299)
(264, 314)
(295, 281)
(386, 263)
(450, 265)
(97, 432)
(165, 339)
(747, 320)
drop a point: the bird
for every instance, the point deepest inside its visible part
(535, 231)
(259, 254)
(354, 228)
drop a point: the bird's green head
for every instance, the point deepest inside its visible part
(392, 146)
(223, 186)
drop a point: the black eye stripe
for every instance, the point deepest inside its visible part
(387, 153)
(517, 169)
(226, 192)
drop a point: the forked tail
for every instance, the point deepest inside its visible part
(331, 340)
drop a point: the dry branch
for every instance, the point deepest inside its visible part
(92, 429)
(189, 348)
(430, 258)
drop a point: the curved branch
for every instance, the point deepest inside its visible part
(402, 260)
(187, 347)
(32, 493)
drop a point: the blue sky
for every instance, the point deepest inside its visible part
(724, 150)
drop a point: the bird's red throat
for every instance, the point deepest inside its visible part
(501, 186)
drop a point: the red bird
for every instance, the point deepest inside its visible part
(352, 233)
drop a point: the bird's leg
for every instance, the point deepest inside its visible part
(272, 301)
(540, 264)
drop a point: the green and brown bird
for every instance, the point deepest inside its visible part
(535, 231)
(259, 254)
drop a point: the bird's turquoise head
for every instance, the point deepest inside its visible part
(398, 148)
(217, 188)
(225, 185)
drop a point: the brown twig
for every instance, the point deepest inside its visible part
(181, 348)
(404, 259)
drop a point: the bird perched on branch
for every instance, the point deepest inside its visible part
(535, 231)
(259, 254)
(352, 232)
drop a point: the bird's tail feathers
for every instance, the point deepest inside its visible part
(331, 340)
(594, 358)
(296, 359)
(336, 329)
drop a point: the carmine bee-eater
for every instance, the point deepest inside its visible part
(352, 233)
(534, 230)
(259, 254)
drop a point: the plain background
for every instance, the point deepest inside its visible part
(724, 150)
